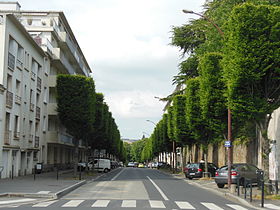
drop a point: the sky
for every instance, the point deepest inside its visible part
(127, 45)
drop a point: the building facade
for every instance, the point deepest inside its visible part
(50, 35)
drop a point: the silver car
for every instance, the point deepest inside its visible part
(239, 171)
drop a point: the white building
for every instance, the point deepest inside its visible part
(23, 109)
(52, 33)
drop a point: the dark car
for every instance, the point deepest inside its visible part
(196, 170)
(239, 171)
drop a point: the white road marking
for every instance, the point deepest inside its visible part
(157, 204)
(43, 192)
(211, 206)
(101, 203)
(73, 203)
(236, 207)
(129, 203)
(160, 191)
(271, 206)
(44, 204)
(184, 205)
(17, 201)
(116, 175)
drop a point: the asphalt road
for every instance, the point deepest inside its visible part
(138, 188)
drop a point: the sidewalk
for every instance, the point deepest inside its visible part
(210, 185)
(45, 185)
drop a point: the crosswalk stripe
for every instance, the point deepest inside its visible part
(17, 201)
(271, 206)
(73, 203)
(156, 204)
(44, 204)
(184, 205)
(129, 203)
(236, 207)
(211, 206)
(101, 203)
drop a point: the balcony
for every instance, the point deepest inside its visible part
(17, 99)
(47, 46)
(38, 111)
(59, 138)
(62, 62)
(9, 99)
(37, 141)
(16, 135)
(39, 84)
(52, 81)
(33, 75)
(30, 139)
(19, 64)
(7, 137)
(11, 61)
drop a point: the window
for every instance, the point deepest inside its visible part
(20, 57)
(16, 127)
(11, 54)
(44, 124)
(45, 95)
(26, 61)
(18, 92)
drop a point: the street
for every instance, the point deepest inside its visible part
(138, 188)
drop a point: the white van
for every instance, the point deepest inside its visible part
(102, 165)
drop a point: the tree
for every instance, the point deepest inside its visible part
(76, 107)
(252, 66)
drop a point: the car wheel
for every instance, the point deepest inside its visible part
(190, 177)
(186, 175)
(241, 182)
(220, 185)
(106, 170)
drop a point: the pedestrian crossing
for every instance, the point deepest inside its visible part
(145, 204)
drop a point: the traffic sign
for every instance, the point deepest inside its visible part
(227, 143)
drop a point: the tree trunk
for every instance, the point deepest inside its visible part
(76, 155)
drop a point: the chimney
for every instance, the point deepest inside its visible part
(9, 6)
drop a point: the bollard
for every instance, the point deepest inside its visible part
(276, 187)
(12, 171)
(251, 191)
(57, 173)
(238, 187)
(80, 174)
(245, 186)
(34, 172)
(262, 199)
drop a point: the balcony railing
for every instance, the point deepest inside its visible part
(11, 61)
(16, 135)
(30, 140)
(33, 75)
(38, 110)
(7, 137)
(9, 99)
(19, 64)
(32, 107)
(36, 143)
(17, 99)
(39, 83)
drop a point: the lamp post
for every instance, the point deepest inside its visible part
(151, 122)
(229, 112)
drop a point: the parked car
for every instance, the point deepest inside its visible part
(163, 165)
(141, 165)
(196, 170)
(130, 164)
(82, 165)
(102, 165)
(239, 171)
(154, 164)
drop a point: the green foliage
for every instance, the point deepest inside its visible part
(251, 61)
(212, 99)
(181, 133)
(76, 99)
(193, 109)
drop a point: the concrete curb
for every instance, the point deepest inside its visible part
(222, 194)
(60, 193)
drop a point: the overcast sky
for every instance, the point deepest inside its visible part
(127, 45)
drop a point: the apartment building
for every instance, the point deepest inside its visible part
(24, 69)
(52, 34)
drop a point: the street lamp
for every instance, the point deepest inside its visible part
(229, 112)
(151, 122)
